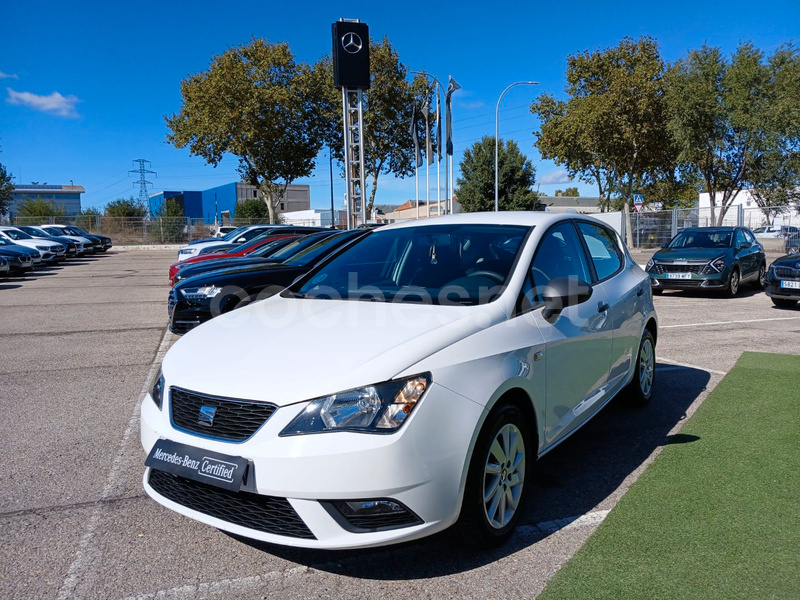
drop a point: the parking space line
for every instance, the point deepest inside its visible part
(87, 554)
(252, 584)
(729, 322)
(677, 364)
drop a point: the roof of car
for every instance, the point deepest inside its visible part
(529, 218)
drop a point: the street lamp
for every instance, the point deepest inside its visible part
(496, 138)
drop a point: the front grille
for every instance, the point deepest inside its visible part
(254, 511)
(234, 420)
(661, 268)
(787, 273)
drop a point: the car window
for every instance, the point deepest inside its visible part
(15, 234)
(740, 239)
(748, 235)
(603, 249)
(558, 255)
(465, 264)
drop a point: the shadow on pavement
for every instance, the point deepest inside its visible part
(568, 482)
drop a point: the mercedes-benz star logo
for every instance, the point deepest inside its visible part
(351, 43)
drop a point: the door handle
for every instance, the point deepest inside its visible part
(602, 307)
(639, 292)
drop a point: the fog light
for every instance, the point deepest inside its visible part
(378, 514)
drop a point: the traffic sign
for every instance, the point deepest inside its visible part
(637, 207)
(638, 200)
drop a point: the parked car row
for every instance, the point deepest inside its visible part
(722, 259)
(25, 247)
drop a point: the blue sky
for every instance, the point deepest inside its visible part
(84, 86)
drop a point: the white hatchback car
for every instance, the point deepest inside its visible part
(405, 385)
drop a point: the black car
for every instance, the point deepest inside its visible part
(783, 280)
(101, 243)
(196, 300)
(276, 251)
(20, 258)
(708, 258)
(37, 232)
(4, 268)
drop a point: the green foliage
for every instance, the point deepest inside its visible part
(388, 146)
(170, 222)
(126, 207)
(252, 209)
(39, 207)
(613, 130)
(6, 189)
(516, 176)
(257, 103)
(737, 122)
(570, 192)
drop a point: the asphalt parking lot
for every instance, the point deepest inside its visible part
(76, 345)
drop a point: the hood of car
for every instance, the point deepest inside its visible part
(15, 250)
(223, 268)
(690, 254)
(792, 261)
(286, 350)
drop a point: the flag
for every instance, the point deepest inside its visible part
(438, 126)
(426, 110)
(415, 137)
(452, 86)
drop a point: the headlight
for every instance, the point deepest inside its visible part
(650, 264)
(718, 264)
(208, 291)
(187, 251)
(380, 408)
(157, 389)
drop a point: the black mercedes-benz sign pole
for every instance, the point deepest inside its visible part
(351, 75)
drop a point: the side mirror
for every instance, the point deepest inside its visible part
(563, 292)
(664, 245)
(241, 240)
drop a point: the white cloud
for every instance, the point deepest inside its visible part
(8, 76)
(557, 176)
(55, 103)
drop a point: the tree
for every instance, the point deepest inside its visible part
(257, 103)
(387, 116)
(613, 129)
(6, 189)
(571, 192)
(516, 178)
(39, 208)
(126, 207)
(171, 221)
(734, 120)
(251, 209)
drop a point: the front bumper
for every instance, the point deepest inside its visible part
(773, 289)
(421, 467)
(689, 280)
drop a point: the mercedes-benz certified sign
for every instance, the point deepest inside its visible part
(351, 42)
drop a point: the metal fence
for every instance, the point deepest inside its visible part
(654, 228)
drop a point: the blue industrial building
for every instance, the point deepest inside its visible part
(212, 204)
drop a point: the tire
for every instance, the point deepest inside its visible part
(640, 389)
(500, 468)
(734, 282)
(783, 303)
(761, 280)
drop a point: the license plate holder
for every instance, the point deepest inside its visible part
(214, 468)
(679, 275)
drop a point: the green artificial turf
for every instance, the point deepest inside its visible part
(718, 517)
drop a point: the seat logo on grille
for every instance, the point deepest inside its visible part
(206, 415)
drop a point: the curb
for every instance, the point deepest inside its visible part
(150, 247)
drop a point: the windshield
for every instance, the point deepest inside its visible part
(5, 242)
(234, 233)
(53, 231)
(16, 234)
(32, 231)
(270, 247)
(702, 239)
(296, 246)
(434, 264)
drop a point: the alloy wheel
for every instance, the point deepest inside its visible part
(504, 476)
(647, 366)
